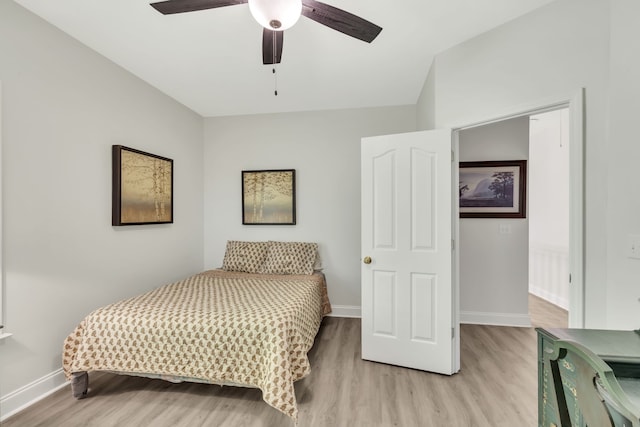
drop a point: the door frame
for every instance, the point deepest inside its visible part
(575, 102)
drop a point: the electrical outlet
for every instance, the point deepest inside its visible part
(505, 229)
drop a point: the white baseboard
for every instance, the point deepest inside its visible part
(29, 394)
(345, 311)
(497, 319)
(478, 318)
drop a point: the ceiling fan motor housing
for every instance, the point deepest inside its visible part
(276, 14)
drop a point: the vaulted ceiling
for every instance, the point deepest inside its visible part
(211, 60)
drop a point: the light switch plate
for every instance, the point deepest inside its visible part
(633, 246)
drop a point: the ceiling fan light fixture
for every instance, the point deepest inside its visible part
(276, 15)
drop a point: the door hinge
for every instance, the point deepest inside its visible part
(453, 156)
(569, 277)
(453, 332)
(453, 245)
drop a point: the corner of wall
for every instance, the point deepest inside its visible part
(426, 104)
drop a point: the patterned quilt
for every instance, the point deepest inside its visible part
(217, 326)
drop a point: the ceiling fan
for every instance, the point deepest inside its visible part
(278, 15)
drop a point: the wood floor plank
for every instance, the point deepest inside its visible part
(497, 387)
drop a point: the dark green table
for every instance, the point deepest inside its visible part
(619, 349)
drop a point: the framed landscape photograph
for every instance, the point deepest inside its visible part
(269, 197)
(493, 189)
(142, 188)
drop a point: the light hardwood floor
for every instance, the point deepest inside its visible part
(497, 387)
(546, 315)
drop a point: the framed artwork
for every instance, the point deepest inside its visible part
(494, 189)
(142, 187)
(269, 197)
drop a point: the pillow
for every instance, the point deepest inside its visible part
(290, 258)
(247, 257)
(317, 264)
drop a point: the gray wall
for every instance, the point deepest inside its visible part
(63, 108)
(494, 252)
(546, 55)
(324, 148)
(623, 199)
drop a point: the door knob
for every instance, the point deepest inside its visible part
(367, 260)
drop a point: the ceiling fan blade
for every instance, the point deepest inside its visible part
(271, 46)
(179, 6)
(340, 20)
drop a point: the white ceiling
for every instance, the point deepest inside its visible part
(211, 60)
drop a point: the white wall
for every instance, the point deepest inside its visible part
(623, 201)
(63, 108)
(494, 252)
(541, 57)
(549, 206)
(324, 148)
(2, 332)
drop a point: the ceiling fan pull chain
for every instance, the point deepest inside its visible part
(275, 76)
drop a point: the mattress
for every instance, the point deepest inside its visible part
(218, 327)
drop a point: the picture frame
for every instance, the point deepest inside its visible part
(269, 197)
(142, 187)
(493, 189)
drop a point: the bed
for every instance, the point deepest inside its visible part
(249, 323)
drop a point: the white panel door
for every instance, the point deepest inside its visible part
(407, 293)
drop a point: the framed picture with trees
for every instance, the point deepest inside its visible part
(269, 197)
(142, 188)
(493, 189)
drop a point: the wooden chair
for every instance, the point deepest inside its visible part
(586, 386)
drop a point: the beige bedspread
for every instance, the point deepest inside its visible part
(217, 326)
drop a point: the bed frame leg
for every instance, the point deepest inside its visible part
(79, 384)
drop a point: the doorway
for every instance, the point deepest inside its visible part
(502, 316)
